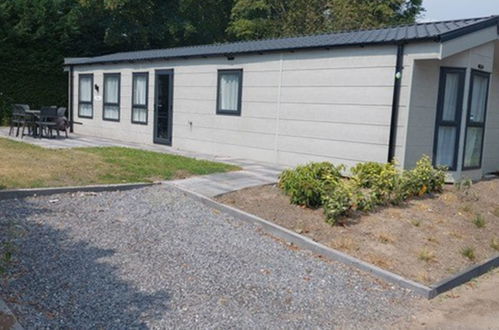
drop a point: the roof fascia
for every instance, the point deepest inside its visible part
(467, 41)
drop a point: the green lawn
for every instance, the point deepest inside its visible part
(24, 165)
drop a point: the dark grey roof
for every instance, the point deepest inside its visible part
(436, 31)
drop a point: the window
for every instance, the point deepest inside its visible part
(449, 110)
(475, 123)
(111, 109)
(139, 97)
(229, 92)
(85, 96)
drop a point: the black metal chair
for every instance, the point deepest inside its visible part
(62, 121)
(19, 118)
(47, 121)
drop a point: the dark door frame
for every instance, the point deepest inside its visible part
(439, 121)
(470, 123)
(168, 140)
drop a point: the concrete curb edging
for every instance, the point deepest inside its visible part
(6, 315)
(20, 193)
(428, 292)
(464, 276)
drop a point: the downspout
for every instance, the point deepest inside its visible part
(70, 99)
(395, 102)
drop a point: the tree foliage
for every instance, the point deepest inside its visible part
(253, 19)
(36, 35)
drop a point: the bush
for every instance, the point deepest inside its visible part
(424, 178)
(306, 185)
(372, 184)
(384, 180)
(365, 172)
(344, 199)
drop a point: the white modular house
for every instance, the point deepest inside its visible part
(370, 95)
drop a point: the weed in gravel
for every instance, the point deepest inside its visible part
(345, 243)
(494, 243)
(426, 255)
(463, 185)
(479, 221)
(432, 240)
(468, 252)
(466, 208)
(457, 235)
(6, 251)
(416, 222)
(425, 277)
(386, 238)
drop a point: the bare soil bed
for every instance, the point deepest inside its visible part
(426, 239)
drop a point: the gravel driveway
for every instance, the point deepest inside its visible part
(154, 258)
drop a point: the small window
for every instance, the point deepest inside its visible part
(229, 92)
(139, 97)
(111, 109)
(85, 96)
(475, 123)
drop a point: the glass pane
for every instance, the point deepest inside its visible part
(111, 89)
(85, 110)
(229, 91)
(163, 107)
(478, 98)
(451, 97)
(86, 89)
(140, 90)
(139, 115)
(473, 148)
(446, 146)
(111, 112)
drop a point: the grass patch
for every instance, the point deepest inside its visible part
(479, 221)
(494, 243)
(24, 165)
(468, 252)
(427, 255)
(416, 223)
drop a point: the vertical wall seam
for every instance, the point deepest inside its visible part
(278, 113)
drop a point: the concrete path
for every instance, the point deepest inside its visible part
(252, 174)
(216, 184)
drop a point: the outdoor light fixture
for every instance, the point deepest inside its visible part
(96, 87)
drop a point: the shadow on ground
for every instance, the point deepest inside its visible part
(56, 280)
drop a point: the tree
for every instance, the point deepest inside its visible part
(277, 18)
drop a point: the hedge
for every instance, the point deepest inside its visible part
(32, 86)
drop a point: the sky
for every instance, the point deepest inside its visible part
(438, 10)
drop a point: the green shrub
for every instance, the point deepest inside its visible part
(307, 184)
(479, 221)
(384, 181)
(424, 178)
(372, 184)
(366, 172)
(346, 198)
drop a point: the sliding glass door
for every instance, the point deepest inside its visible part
(449, 111)
(475, 122)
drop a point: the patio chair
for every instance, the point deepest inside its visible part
(19, 118)
(62, 121)
(47, 120)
